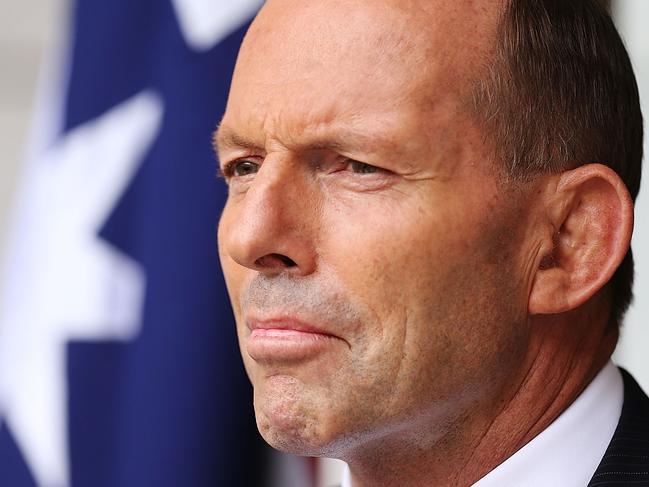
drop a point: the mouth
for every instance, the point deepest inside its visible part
(287, 339)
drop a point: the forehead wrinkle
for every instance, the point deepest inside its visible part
(226, 138)
(333, 135)
(309, 132)
(368, 130)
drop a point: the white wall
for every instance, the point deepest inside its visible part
(633, 351)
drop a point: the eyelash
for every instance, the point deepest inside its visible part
(228, 170)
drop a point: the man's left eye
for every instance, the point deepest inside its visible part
(362, 168)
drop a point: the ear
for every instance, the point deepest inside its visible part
(591, 214)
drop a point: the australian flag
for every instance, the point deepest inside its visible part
(118, 358)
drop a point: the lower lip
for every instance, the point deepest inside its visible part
(278, 345)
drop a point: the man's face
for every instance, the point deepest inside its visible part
(372, 259)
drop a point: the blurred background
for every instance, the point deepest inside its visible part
(41, 103)
(26, 28)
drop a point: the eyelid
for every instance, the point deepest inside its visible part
(350, 161)
(226, 170)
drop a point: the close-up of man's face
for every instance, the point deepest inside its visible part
(377, 266)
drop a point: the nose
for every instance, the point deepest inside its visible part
(270, 227)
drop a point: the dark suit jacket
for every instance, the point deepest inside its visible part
(626, 461)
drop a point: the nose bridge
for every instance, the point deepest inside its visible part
(274, 196)
(274, 218)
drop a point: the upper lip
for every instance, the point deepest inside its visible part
(285, 322)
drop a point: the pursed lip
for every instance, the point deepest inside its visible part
(287, 323)
(286, 338)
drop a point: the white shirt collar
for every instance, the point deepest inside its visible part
(568, 451)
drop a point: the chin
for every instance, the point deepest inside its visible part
(290, 422)
(292, 435)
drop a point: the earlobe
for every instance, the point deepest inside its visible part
(592, 214)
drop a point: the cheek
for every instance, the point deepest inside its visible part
(437, 288)
(390, 261)
(389, 255)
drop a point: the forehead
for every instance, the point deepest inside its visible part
(311, 63)
(326, 29)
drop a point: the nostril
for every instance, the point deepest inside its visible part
(275, 260)
(288, 262)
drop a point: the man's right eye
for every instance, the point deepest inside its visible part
(241, 167)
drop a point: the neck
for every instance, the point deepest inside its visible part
(565, 353)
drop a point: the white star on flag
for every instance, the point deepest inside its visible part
(63, 281)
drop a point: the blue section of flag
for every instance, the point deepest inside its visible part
(173, 407)
(13, 471)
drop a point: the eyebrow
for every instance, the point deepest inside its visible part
(224, 138)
